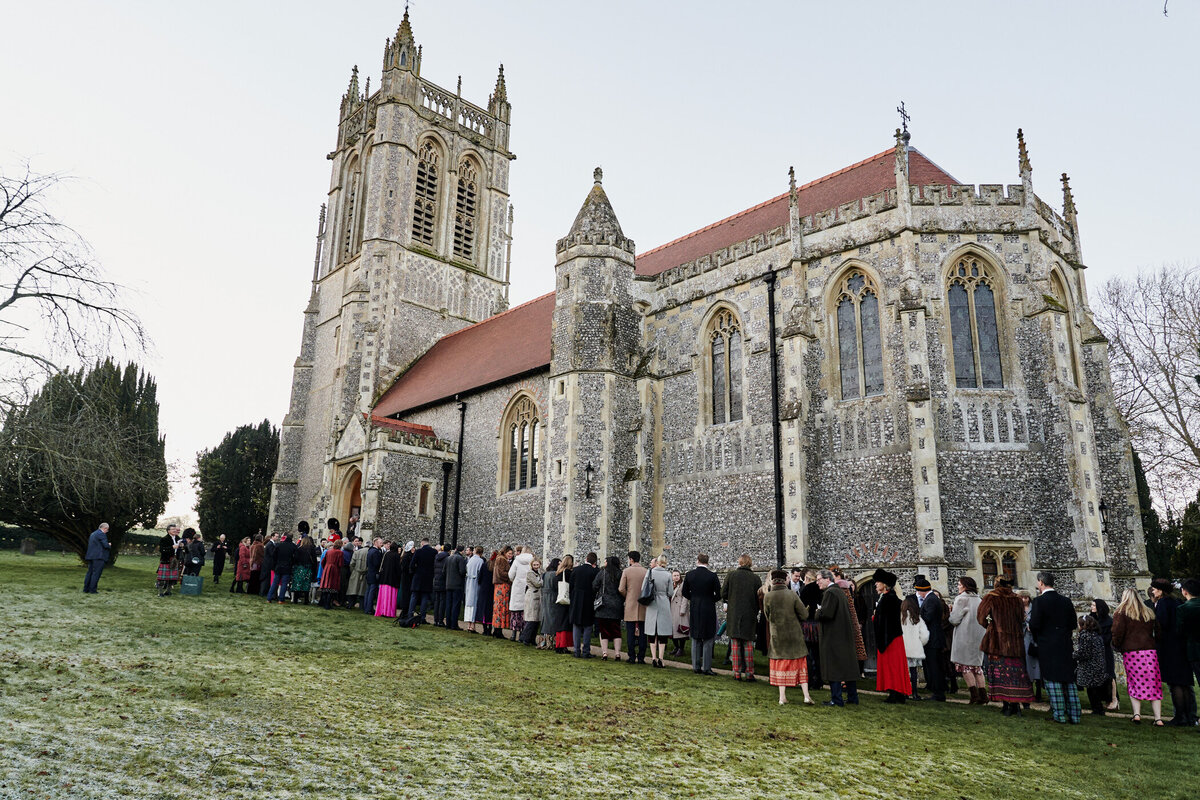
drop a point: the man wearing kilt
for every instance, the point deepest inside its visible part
(169, 548)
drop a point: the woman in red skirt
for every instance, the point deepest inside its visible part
(787, 651)
(891, 660)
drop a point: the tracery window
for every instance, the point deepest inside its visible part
(725, 366)
(860, 351)
(520, 448)
(425, 203)
(998, 565)
(990, 569)
(971, 300)
(466, 210)
(1008, 566)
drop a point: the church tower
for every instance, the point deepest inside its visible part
(593, 395)
(415, 245)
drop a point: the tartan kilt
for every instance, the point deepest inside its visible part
(168, 573)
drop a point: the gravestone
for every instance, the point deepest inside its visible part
(28, 547)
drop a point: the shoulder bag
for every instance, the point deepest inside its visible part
(564, 592)
(647, 595)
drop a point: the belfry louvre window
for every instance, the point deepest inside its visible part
(519, 438)
(971, 301)
(466, 208)
(860, 351)
(425, 203)
(351, 236)
(725, 360)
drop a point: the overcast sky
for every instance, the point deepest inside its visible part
(199, 132)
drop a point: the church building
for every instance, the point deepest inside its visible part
(881, 366)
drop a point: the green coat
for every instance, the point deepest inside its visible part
(785, 612)
(1187, 622)
(839, 658)
(741, 592)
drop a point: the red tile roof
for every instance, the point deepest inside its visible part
(517, 341)
(865, 178)
(512, 343)
(402, 426)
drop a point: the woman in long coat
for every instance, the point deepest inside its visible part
(331, 573)
(533, 601)
(611, 608)
(304, 567)
(679, 614)
(516, 599)
(483, 608)
(258, 552)
(839, 659)
(968, 634)
(358, 575)
(404, 588)
(390, 575)
(241, 570)
(788, 654)
(1003, 618)
(891, 660)
(740, 591)
(548, 595)
(561, 613)
(471, 588)
(1103, 616)
(659, 624)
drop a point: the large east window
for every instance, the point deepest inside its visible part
(860, 350)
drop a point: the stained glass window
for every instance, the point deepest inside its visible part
(520, 462)
(974, 327)
(860, 348)
(725, 366)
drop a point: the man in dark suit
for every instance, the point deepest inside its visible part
(439, 584)
(1052, 622)
(285, 557)
(583, 608)
(456, 585)
(96, 557)
(702, 589)
(421, 569)
(933, 610)
(810, 595)
(374, 560)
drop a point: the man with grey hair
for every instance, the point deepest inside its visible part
(839, 659)
(1052, 622)
(96, 557)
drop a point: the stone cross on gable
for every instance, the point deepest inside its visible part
(904, 116)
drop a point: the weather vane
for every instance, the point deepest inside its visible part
(904, 116)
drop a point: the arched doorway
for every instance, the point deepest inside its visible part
(350, 503)
(865, 598)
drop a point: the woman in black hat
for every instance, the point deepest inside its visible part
(891, 660)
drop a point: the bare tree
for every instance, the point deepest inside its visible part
(56, 306)
(1152, 321)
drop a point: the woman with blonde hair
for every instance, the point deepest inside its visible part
(660, 625)
(1133, 634)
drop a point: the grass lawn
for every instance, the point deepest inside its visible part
(221, 696)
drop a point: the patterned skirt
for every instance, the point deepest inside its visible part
(963, 669)
(1007, 679)
(789, 671)
(501, 616)
(168, 573)
(518, 621)
(301, 578)
(385, 604)
(1142, 675)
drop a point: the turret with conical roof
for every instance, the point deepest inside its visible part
(594, 356)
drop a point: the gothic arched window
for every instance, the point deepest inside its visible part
(860, 352)
(351, 234)
(520, 450)
(425, 203)
(990, 569)
(725, 366)
(974, 333)
(1008, 566)
(466, 210)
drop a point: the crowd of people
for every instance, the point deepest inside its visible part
(1006, 646)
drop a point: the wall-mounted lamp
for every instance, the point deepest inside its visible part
(1103, 516)
(587, 471)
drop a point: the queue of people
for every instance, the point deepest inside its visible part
(1006, 646)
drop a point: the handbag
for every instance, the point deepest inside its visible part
(646, 597)
(1033, 650)
(598, 603)
(564, 593)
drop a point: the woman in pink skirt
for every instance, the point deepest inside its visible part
(1133, 632)
(389, 581)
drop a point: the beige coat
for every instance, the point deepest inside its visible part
(968, 633)
(630, 588)
(533, 596)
